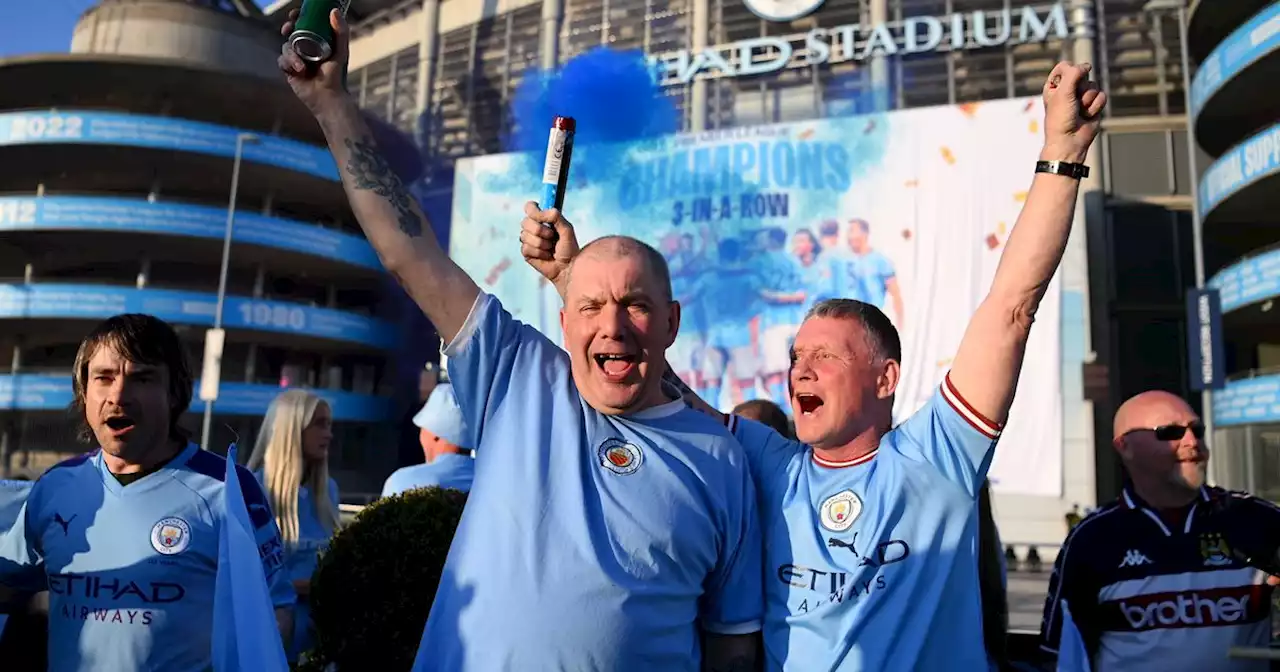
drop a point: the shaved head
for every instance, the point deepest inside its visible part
(618, 321)
(609, 248)
(1149, 409)
(1160, 439)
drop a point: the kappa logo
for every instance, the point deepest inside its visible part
(1133, 558)
(620, 457)
(839, 511)
(1214, 550)
(170, 536)
(782, 10)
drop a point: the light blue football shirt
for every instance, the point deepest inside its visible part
(872, 564)
(869, 273)
(732, 297)
(817, 282)
(130, 569)
(687, 288)
(589, 541)
(834, 270)
(782, 276)
(300, 560)
(448, 470)
(13, 494)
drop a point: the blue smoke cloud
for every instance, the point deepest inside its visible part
(614, 97)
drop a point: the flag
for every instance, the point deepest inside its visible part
(246, 637)
(1072, 656)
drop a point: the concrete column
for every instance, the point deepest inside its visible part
(699, 29)
(1080, 463)
(426, 64)
(1083, 51)
(250, 363)
(550, 50)
(880, 63)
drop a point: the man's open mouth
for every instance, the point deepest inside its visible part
(120, 424)
(615, 366)
(808, 403)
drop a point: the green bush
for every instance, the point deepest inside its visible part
(373, 588)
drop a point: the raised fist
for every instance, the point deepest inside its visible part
(1072, 112)
(317, 86)
(548, 243)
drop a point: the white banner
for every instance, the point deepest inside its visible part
(910, 210)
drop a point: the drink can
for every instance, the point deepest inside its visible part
(312, 37)
(555, 171)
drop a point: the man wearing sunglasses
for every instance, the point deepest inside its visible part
(1174, 573)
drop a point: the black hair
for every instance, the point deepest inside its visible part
(769, 414)
(813, 240)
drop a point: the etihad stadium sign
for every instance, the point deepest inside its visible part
(856, 42)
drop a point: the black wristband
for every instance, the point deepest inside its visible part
(1064, 168)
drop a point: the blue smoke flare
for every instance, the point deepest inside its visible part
(614, 97)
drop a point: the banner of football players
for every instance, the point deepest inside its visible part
(907, 210)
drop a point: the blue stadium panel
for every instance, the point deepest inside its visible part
(96, 302)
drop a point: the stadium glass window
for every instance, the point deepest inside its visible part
(1150, 353)
(1140, 59)
(375, 95)
(404, 91)
(1148, 248)
(1139, 163)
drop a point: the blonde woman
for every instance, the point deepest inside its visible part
(291, 459)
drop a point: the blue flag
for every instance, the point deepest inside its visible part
(13, 494)
(1072, 656)
(245, 634)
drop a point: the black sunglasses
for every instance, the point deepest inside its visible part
(1173, 432)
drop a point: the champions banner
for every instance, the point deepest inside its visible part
(907, 210)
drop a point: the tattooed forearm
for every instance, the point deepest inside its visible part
(371, 172)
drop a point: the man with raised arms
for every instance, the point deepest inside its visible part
(608, 527)
(871, 530)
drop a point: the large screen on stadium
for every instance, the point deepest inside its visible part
(907, 210)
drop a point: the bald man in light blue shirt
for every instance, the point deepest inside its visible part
(441, 431)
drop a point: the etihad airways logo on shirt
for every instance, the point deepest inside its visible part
(817, 588)
(109, 599)
(1193, 609)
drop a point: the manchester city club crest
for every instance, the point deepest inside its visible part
(840, 510)
(620, 457)
(170, 536)
(1214, 550)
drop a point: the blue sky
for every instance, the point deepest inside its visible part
(35, 26)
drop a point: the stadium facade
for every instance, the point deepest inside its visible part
(1235, 110)
(116, 165)
(447, 70)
